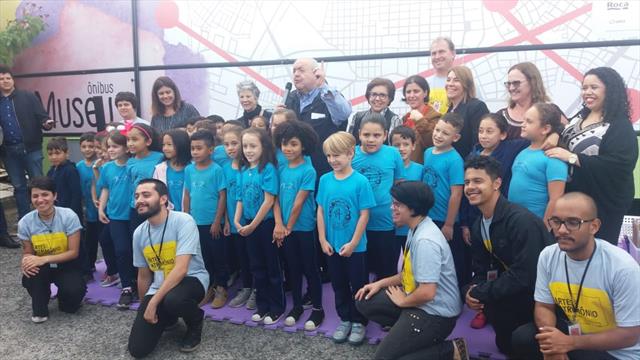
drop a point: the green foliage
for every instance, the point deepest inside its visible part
(19, 33)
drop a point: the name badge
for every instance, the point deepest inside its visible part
(574, 329)
(315, 116)
(492, 275)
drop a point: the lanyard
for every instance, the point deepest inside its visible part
(574, 306)
(49, 228)
(157, 254)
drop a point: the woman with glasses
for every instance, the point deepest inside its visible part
(525, 87)
(380, 94)
(602, 149)
(168, 108)
(248, 94)
(422, 117)
(461, 92)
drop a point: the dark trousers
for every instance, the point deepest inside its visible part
(506, 316)
(108, 249)
(4, 230)
(265, 267)
(71, 289)
(239, 245)
(118, 233)
(611, 222)
(214, 254)
(91, 238)
(402, 241)
(383, 252)
(181, 301)
(414, 334)
(461, 254)
(526, 346)
(300, 251)
(348, 275)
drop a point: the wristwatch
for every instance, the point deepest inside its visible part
(573, 159)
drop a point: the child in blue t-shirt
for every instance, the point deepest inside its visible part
(444, 173)
(382, 165)
(205, 198)
(403, 138)
(257, 187)
(344, 200)
(176, 148)
(92, 228)
(295, 218)
(537, 180)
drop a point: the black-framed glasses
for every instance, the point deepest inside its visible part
(378, 95)
(516, 84)
(572, 224)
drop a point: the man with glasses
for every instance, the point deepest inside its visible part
(380, 94)
(506, 242)
(587, 292)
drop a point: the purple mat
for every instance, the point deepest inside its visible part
(480, 342)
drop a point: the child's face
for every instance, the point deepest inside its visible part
(231, 144)
(136, 142)
(532, 129)
(126, 110)
(115, 151)
(251, 148)
(190, 129)
(276, 120)
(168, 149)
(219, 127)
(258, 123)
(444, 135)
(404, 145)
(340, 162)
(371, 137)
(56, 156)
(292, 149)
(489, 135)
(88, 149)
(200, 152)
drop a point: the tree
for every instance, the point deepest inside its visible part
(19, 33)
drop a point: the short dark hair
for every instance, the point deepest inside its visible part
(43, 183)
(5, 70)
(204, 135)
(454, 120)
(216, 118)
(207, 125)
(374, 118)
(487, 163)
(235, 123)
(418, 80)
(499, 120)
(405, 132)
(159, 186)
(58, 143)
(416, 195)
(297, 129)
(88, 136)
(391, 88)
(194, 120)
(127, 96)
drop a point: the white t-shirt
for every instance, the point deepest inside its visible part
(610, 293)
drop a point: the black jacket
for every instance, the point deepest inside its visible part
(471, 111)
(68, 189)
(31, 116)
(517, 237)
(248, 116)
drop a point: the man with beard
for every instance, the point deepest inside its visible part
(587, 292)
(506, 242)
(171, 272)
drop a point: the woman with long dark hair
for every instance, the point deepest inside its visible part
(168, 109)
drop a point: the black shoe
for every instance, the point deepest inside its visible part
(8, 242)
(191, 340)
(293, 316)
(306, 301)
(126, 298)
(315, 320)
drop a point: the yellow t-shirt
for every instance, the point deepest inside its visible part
(161, 260)
(50, 243)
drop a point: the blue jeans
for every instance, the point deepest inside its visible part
(18, 163)
(117, 232)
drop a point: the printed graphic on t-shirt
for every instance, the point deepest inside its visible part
(50, 243)
(430, 177)
(252, 192)
(339, 213)
(231, 186)
(408, 281)
(595, 313)
(175, 184)
(438, 100)
(373, 174)
(161, 260)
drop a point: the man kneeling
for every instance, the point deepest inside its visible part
(171, 272)
(422, 303)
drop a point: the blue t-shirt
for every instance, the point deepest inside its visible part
(251, 187)
(204, 186)
(293, 180)
(175, 184)
(413, 172)
(531, 172)
(280, 158)
(381, 168)
(180, 238)
(231, 177)
(139, 169)
(86, 178)
(441, 172)
(341, 201)
(115, 178)
(219, 156)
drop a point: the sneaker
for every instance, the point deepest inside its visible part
(109, 281)
(241, 298)
(251, 303)
(258, 316)
(192, 337)
(460, 351)
(39, 319)
(126, 298)
(272, 318)
(220, 298)
(232, 279)
(315, 319)
(342, 332)
(357, 334)
(208, 297)
(306, 301)
(9, 242)
(293, 316)
(479, 321)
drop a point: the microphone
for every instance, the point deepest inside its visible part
(287, 90)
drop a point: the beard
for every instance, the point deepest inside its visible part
(152, 210)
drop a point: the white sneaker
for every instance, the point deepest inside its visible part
(39, 319)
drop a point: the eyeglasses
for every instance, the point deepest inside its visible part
(378, 95)
(396, 204)
(572, 224)
(516, 84)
